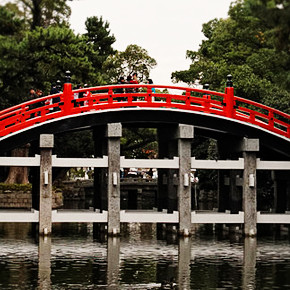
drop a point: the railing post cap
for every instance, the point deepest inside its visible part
(229, 81)
(46, 141)
(68, 76)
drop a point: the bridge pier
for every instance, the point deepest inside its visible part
(45, 190)
(184, 136)
(250, 147)
(107, 180)
(114, 133)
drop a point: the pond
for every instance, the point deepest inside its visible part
(145, 257)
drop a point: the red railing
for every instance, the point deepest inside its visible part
(109, 97)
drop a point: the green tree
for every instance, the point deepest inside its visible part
(245, 46)
(133, 59)
(99, 36)
(10, 23)
(41, 57)
(139, 142)
(43, 13)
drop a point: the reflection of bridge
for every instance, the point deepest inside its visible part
(244, 129)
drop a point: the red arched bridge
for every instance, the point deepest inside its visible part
(115, 98)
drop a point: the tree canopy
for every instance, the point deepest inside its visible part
(37, 55)
(41, 13)
(252, 44)
(133, 59)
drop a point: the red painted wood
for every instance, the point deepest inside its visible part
(104, 97)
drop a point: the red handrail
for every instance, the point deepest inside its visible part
(109, 97)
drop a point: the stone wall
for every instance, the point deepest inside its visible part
(23, 199)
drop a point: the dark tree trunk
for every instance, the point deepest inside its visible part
(18, 174)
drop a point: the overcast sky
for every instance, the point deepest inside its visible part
(165, 28)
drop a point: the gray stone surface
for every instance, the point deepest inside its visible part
(250, 145)
(114, 130)
(250, 195)
(46, 141)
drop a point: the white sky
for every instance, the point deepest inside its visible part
(165, 28)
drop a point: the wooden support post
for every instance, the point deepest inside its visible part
(114, 133)
(184, 136)
(250, 147)
(45, 201)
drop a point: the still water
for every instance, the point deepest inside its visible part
(75, 258)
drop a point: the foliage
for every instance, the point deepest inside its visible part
(249, 47)
(18, 187)
(43, 13)
(10, 24)
(139, 143)
(133, 59)
(75, 144)
(98, 34)
(41, 57)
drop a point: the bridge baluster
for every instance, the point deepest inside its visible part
(110, 96)
(187, 100)
(271, 119)
(67, 97)
(229, 98)
(206, 98)
(23, 115)
(149, 96)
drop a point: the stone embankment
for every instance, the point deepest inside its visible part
(19, 196)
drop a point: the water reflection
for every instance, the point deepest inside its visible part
(184, 257)
(249, 266)
(44, 263)
(113, 257)
(74, 259)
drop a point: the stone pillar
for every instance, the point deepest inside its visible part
(45, 190)
(184, 136)
(114, 133)
(249, 148)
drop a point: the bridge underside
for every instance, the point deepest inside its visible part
(220, 128)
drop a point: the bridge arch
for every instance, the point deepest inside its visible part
(216, 127)
(212, 113)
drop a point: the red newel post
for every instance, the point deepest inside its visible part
(110, 96)
(229, 98)
(67, 94)
(206, 99)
